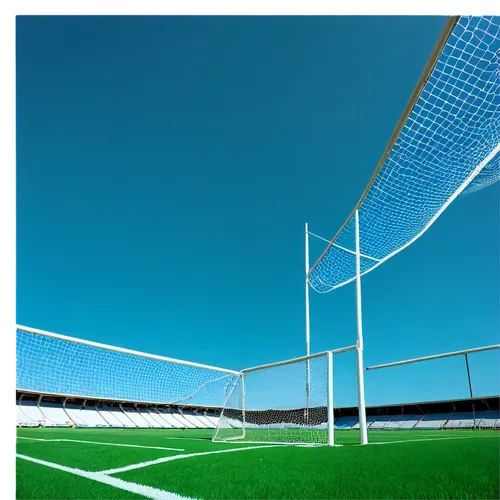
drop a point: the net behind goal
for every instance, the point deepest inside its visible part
(286, 402)
(51, 363)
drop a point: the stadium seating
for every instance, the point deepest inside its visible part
(170, 418)
(488, 419)
(433, 421)
(91, 417)
(54, 414)
(403, 422)
(160, 417)
(213, 419)
(381, 422)
(195, 419)
(411, 422)
(75, 415)
(182, 419)
(136, 417)
(151, 421)
(113, 416)
(346, 422)
(460, 420)
(157, 418)
(207, 421)
(30, 412)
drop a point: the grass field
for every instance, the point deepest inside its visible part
(173, 464)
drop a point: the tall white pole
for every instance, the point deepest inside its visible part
(359, 345)
(331, 420)
(243, 404)
(308, 325)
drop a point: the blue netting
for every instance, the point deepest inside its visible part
(52, 365)
(451, 137)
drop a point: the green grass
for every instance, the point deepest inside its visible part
(433, 469)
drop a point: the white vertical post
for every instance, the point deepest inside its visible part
(243, 404)
(330, 401)
(308, 326)
(359, 344)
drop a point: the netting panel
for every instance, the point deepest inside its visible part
(51, 365)
(452, 136)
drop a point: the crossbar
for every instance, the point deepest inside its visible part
(435, 356)
(296, 360)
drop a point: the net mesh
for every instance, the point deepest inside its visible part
(51, 365)
(278, 405)
(449, 144)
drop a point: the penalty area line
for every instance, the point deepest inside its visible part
(140, 465)
(139, 489)
(102, 444)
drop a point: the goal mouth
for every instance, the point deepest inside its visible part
(289, 402)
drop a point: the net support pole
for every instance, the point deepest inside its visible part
(331, 421)
(308, 325)
(359, 344)
(243, 402)
(470, 387)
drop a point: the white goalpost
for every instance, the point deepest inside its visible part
(271, 403)
(359, 328)
(446, 143)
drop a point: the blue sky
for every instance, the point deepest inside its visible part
(166, 167)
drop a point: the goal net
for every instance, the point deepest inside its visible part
(286, 402)
(447, 143)
(50, 363)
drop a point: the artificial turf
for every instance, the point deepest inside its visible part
(465, 467)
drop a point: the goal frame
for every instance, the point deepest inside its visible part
(330, 393)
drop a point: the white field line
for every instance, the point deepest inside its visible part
(139, 489)
(243, 441)
(179, 457)
(104, 444)
(433, 439)
(197, 439)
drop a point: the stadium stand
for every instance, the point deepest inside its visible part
(410, 422)
(111, 415)
(146, 417)
(460, 420)
(30, 412)
(182, 419)
(488, 419)
(204, 418)
(75, 414)
(403, 422)
(369, 421)
(161, 417)
(213, 418)
(54, 414)
(135, 417)
(381, 422)
(156, 418)
(193, 418)
(437, 421)
(33, 410)
(346, 422)
(91, 417)
(171, 418)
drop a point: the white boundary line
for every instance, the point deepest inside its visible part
(139, 489)
(179, 457)
(100, 443)
(432, 439)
